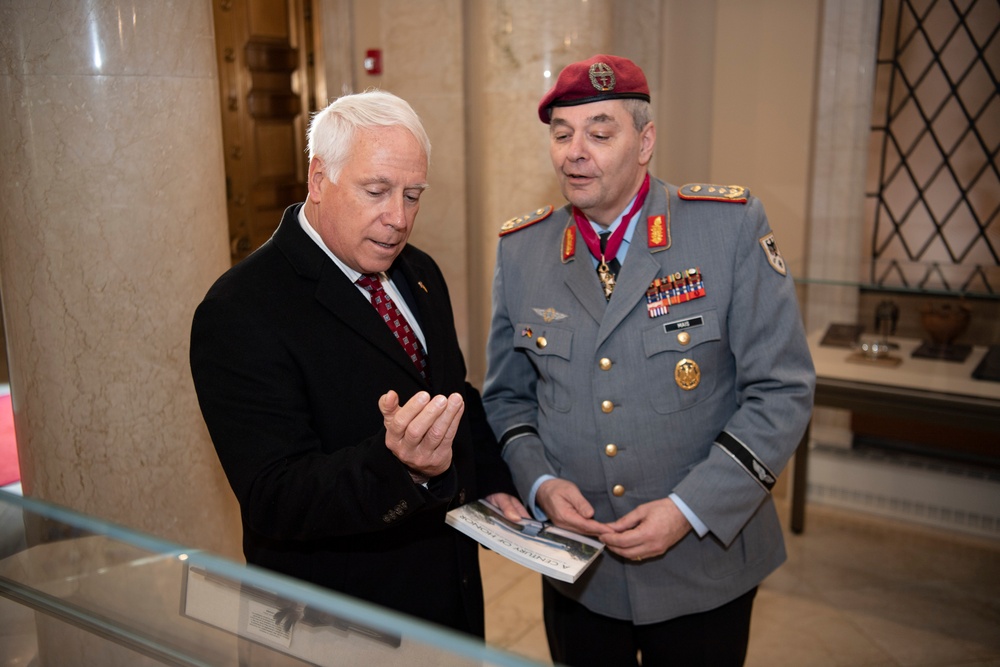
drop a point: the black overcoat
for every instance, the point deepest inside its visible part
(289, 360)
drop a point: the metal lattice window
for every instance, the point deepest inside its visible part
(933, 201)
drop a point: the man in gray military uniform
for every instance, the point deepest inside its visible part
(648, 379)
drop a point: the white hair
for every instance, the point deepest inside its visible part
(331, 131)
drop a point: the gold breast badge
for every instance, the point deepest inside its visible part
(687, 375)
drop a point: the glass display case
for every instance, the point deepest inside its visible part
(903, 375)
(75, 590)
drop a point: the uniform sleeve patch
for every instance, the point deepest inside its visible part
(772, 253)
(736, 194)
(520, 222)
(750, 462)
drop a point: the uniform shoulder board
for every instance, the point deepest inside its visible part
(708, 192)
(523, 221)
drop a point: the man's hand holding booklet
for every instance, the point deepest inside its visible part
(557, 553)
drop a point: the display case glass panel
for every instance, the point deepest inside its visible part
(78, 590)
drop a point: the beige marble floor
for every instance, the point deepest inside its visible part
(855, 591)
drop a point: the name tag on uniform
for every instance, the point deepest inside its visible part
(681, 325)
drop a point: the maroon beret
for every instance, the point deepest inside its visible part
(599, 78)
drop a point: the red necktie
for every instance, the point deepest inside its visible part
(394, 319)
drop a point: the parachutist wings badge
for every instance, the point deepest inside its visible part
(549, 314)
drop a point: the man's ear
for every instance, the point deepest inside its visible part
(317, 179)
(647, 140)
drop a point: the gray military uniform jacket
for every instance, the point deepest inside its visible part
(707, 400)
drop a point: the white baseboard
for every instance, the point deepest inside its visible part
(941, 495)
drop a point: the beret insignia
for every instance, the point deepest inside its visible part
(527, 220)
(708, 192)
(602, 77)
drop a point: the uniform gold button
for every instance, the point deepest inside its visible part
(610, 449)
(541, 342)
(605, 364)
(607, 406)
(618, 490)
(684, 338)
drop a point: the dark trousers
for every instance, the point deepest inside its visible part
(580, 638)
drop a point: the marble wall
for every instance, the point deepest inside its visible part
(422, 62)
(762, 109)
(113, 226)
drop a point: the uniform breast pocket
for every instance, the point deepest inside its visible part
(550, 350)
(688, 352)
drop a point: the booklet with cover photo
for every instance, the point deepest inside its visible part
(555, 552)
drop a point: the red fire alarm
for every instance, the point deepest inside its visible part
(373, 61)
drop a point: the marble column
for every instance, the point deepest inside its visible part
(836, 256)
(845, 88)
(514, 51)
(112, 198)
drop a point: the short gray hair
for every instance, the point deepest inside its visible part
(331, 131)
(642, 113)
